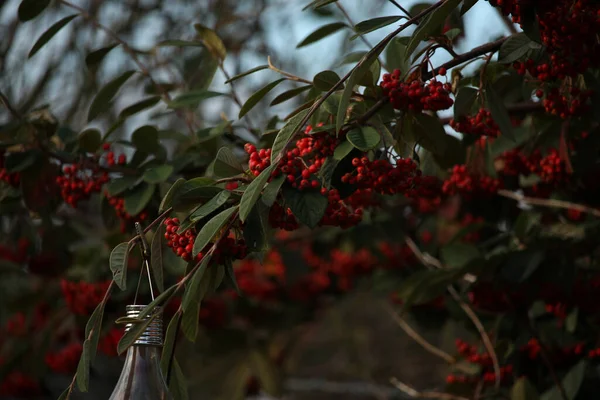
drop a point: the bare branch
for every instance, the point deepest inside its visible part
(549, 202)
(404, 388)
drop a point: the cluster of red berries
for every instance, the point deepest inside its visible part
(83, 297)
(416, 96)
(572, 103)
(482, 124)
(18, 325)
(468, 185)
(65, 360)
(19, 385)
(118, 204)
(381, 175)
(552, 169)
(78, 183)
(183, 244)
(467, 220)
(12, 179)
(472, 354)
(16, 254)
(121, 159)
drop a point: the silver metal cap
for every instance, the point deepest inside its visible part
(153, 335)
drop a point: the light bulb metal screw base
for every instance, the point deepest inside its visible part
(153, 334)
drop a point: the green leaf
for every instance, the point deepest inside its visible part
(178, 384)
(257, 228)
(571, 383)
(21, 161)
(118, 264)
(465, 98)
(156, 257)
(137, 199)
(210, 206)
(325, 80)
(499, 112)
(425, 285)
(243, 74)
(139, 106)
(571, 320)
(431, 133)
(49, 34)
(523, 390)
(145, 138)
(119, 185)
(285, 134)
(359, 71)
(342, 150)
(321, 33)
(95, 57)
(192, 290)
(66, 394)
(158, 174)
(169, 343)
(428, 27)
(173, 191)
(102, 100)
(212, 41)
(395, 55)
(252, 192)
(316, 4)
(83, 368)
(373, 24)
(364, 138)
(93, 329)
(227, 164)
(29, 9)
(453, 33)
(308, 206)
(458, 255)
(189, 321)
(197, 190)
(272, 190)
(514, 48)
(211, 228)
(289, 94)
(90, 140)
(467, 5)
(193, 98)
(258, 96)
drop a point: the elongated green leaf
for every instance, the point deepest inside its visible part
(211, 228)
(95, 57)
(138, 198)
(168, 199)
(49, 34)
(514, 48)
(432, 135)
(467, 5)
(102, 100)
(83, 368)
(523, 390)
(316, 4)
(178, 385)
(289, 94)
(571, 383)
(373, 24)
(325, 80)
(499, 112)
(192, 290)
(29, 9)
(93, 329)
(253, 191)
(358, 72)
(169, 343)
(90, 140)
(427, 27)
(465, 98)
(230, 275)
(158, 174)
(342, 150)
(210, 206)
(119, 185)
(395, 54)
(192, 99)
(212, 41)
(243, 74)
(272, 190)
(227, 164)
(308, 206)
(286, 133)
(66, 394)
(458, 255)
(258, 96)
(139, 106)
(190, 320)
(118, 264)
(321, 33)
(364, 138)
(156, 257)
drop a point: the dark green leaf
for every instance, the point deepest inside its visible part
(227, 164)
(192, 294)
(178, 384)
(189, 321)
(342, 150)
(465, 98)
(119, 185)
(523, 390)
(90, 140)
(257, 228)
(453, 33)
(253, 191)
(431, 133)
(321, 33)
(458, 255)
(156, 257)
(66, 394)
(139, 106)
(325, 80)
(499, 112)
(395, 55)
(308, 206)
(289, 94)
(29, 9)
(158, 174)
(285, 134)
(102, 100)
(211, 228)
(571, 321)
(83, 368)
(258, 96)
(49, 34)
(169, 343)
(93, 329)
(425, 285)
(21, 161)
(364, 138)
(137, 199)
(212, 41)
(173, 191)
(96, 56)
(272, 190)
(250, 71)
(230, 275)
(467, 5)
(210, 206)
(118, 264)
(145, 138)
(515, 47)
(316, 4)
(571, 383)
(192, 99)
(373, 24)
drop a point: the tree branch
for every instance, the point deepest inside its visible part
(549, 202)
(409, 391)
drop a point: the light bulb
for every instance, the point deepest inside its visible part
(141, 378)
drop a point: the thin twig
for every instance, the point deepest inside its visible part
(549, 202)
(394, 2)
(288, 75)
(404, 388)
(235, 96)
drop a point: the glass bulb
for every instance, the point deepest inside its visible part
(141, 378)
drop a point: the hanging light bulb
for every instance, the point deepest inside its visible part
(141, 377)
